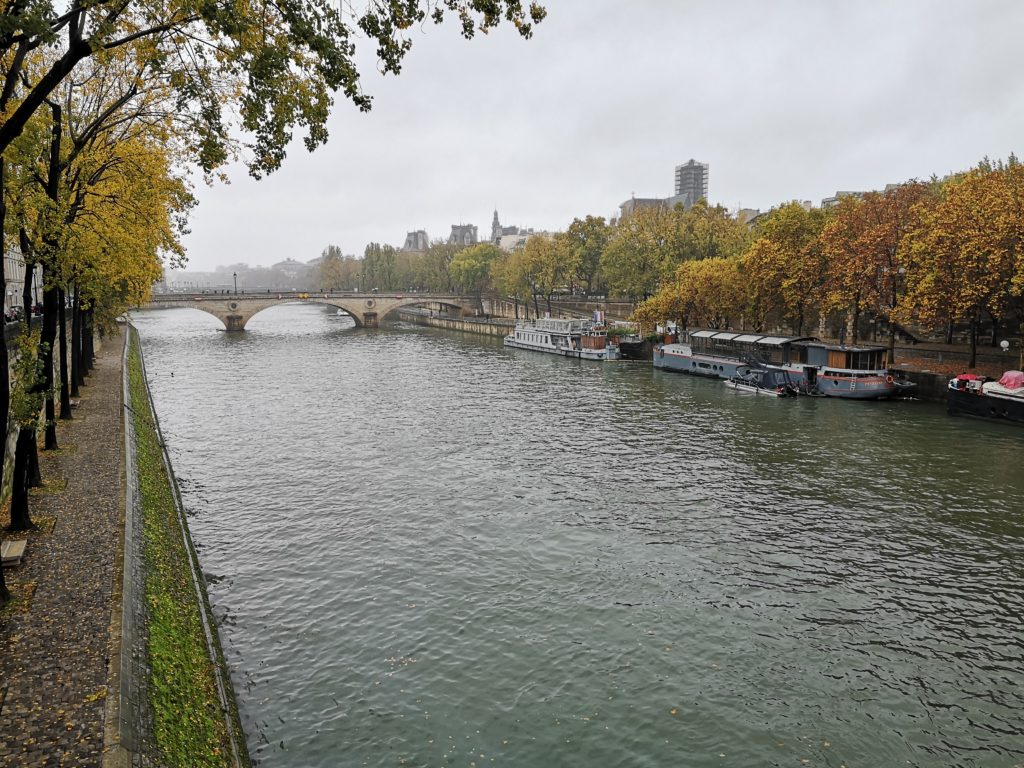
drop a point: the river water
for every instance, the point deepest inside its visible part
(427, 550)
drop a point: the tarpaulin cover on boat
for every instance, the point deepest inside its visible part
(1012, 380)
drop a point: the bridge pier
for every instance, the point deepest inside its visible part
(234, 322)
(370, 320)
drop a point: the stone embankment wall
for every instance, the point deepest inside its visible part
(930, 386)
(176, 706)
(486, 326)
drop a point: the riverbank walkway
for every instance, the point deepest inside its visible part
(56, 652)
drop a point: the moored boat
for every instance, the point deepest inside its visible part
(853, 372)
(725, 354)
(582, 339)
(985, 398)
(767, 380)
(813, 366)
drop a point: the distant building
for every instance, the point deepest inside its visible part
(747, 215)
(512, 241)
(636, 203)
(829, 202)
(499, 233)
(416, 241)
(290, 268)
(691, 182)
(463, 234)
(14, 272)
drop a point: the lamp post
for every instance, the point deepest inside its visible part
(235, 276)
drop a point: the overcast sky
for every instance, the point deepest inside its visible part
(784, 100)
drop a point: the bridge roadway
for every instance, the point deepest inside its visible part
(367, 309)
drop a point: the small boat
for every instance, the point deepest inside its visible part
(985, 398)
(774, 382)
(583, 339)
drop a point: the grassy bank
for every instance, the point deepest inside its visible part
(189, 725)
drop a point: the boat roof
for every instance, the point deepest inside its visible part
(748, 338)
(846, 347)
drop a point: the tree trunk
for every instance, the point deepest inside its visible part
(76, 344)
(20, 518)
(86, 363)
(62, 331)
(50, 292)
(536, 309)
(26, 289)
(949, 331)
(35, 478)
(974, 343)
(5, 372)
(49, 336)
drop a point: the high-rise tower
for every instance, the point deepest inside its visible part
(692, 181)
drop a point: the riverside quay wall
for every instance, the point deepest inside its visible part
(486, 326)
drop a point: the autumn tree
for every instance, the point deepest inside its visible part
(546, 267)
(868, 253)
(434, 273)
(470, 269)
(510, 274)
(641, 252)
(709, 231)
(785, 266)
(331, 269)
(708, 292)
(967, 257)
(588, 238)
(718, 287)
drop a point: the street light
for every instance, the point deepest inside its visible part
(235, 276)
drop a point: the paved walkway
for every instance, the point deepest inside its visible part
(55, 656)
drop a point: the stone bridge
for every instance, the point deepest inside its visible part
(367, 309)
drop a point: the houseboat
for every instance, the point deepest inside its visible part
(583, 339)
(725, 354)
(851, 372)
(813, 366)
(978, 396)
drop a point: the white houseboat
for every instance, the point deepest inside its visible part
(571, 338)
